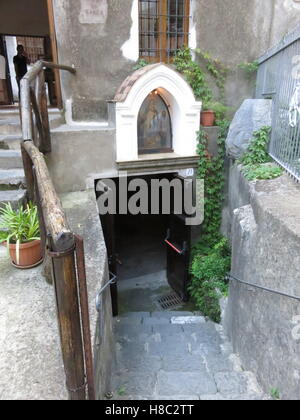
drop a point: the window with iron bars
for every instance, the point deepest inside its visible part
(163, 28)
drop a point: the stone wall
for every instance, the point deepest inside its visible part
(82, 214)
(266, 251)
(78, 153)
(93, 38)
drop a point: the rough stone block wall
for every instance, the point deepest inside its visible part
(266, 251)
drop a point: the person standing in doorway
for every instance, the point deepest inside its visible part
(20, 62)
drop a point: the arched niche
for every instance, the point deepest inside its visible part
(154, 126)
(183, 109)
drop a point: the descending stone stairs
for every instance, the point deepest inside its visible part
(177, 356)
(12, 179)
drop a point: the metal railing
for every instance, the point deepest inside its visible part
(59, 243)
(279, 79)
(34, 106)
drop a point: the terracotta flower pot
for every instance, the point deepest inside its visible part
(208, 118)
(30, 254)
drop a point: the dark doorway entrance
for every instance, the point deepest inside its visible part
(150, 255)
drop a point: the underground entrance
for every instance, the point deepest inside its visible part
(149, 254)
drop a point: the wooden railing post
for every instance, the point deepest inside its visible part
(71, 312)
(34, 98)
(46, 146)
(27, 164)
(65, 283)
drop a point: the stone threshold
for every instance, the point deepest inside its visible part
(163, 162)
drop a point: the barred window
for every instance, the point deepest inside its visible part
(163, 28)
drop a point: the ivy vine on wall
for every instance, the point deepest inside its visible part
(211, 256)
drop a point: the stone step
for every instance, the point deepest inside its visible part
(15, 197)
(13, 112)
(11, 179)
(161, 318)
(10, 127)
(10, 159)
(11, 142)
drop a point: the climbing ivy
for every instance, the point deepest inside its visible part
(208, 285)
(211, 170)
(250, 68)
(216, 69)
(196, 77)
(140, 64)
(257, 150)
(257, 156)
(211, 255)
(193, 73)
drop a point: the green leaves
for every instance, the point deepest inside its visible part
(211, 255)
(250, 68)
(140, 64)
(19, 226)
(256, 157)
(257, 150)
(193, 73)
(208, 284)
(253, 173)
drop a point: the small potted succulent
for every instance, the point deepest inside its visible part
(212, 111)
(20, 232)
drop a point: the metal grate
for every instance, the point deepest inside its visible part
(279, 79)
(163, 28)
(170, 301)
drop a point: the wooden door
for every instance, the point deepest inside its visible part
(178, 242)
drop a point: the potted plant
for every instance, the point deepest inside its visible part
(20, 232)
(212, 111)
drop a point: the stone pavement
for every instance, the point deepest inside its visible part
(30, 361)
(177, 356)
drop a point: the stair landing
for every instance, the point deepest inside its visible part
(177, 356)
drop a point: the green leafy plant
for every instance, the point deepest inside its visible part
(255, 159)
(211, 255)
(257, 150)
(122, 391)
(196, 76)
(211, 170)
(275, 394)
(19, 226)
(250, 68)
(208, 283)
(193, 73)
(140, 64)
(219, 109)
(253, 173)
(216, 69)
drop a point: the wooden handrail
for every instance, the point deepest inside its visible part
(68, 272)
(33, 95)
(40, 65)
(54, 216)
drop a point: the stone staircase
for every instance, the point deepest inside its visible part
(177, 356)
(12, 179)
